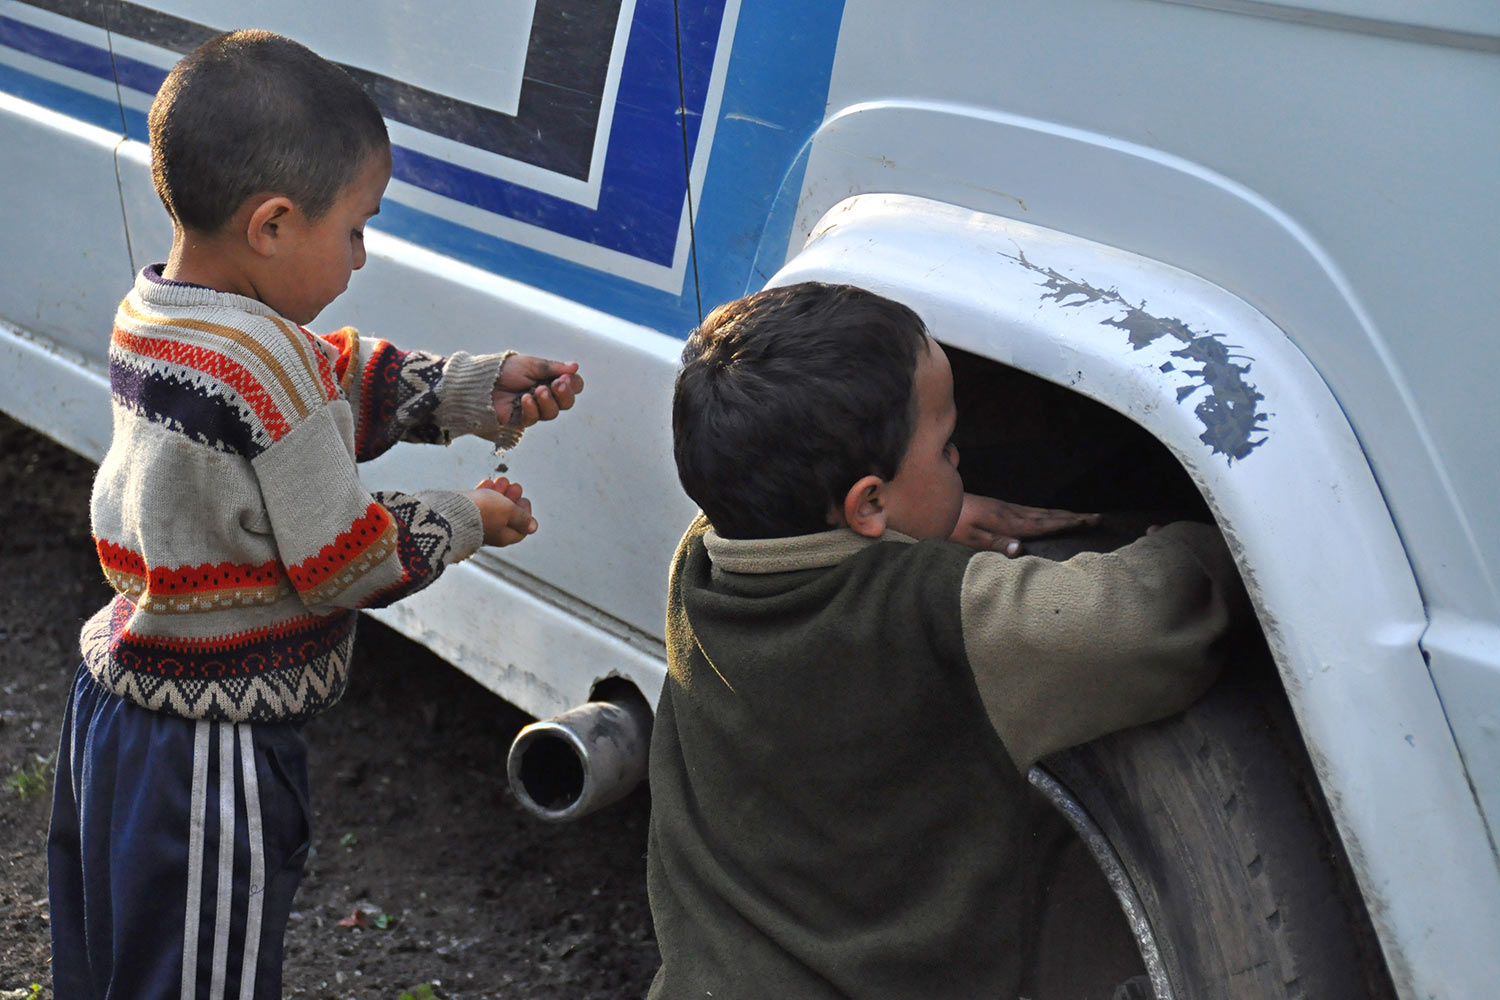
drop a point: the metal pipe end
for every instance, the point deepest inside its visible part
(575, 763)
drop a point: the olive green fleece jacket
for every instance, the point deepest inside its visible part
(839, 807)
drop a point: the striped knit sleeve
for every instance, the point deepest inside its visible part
(416, 396)
(342, 546)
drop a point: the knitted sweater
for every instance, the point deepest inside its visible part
(228, 512)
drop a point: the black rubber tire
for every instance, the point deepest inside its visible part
(1218, 822)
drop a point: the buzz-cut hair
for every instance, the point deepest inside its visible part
(788, 397)
(252, 112)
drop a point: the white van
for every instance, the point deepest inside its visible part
(1236, 255)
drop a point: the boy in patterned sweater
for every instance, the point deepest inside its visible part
(230, 519)
(839, 804)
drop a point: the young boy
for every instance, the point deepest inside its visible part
(230, 518)
(838, 765)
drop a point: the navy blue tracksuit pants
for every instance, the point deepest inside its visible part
(175, 848)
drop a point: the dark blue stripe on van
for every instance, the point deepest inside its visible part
(644, 186)
(82, 56)
(567, 62)
(774, 99)
(56, 48)
(138, 75)
(85, 107)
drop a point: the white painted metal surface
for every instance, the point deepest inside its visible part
(1341, 182)
(60, 218)
(386, 39)
(1308, 525)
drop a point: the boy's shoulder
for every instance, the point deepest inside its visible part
(839, 556)
(268, 361)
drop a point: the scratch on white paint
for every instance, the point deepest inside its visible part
(735, 116)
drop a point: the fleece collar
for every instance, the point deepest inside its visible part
(796, 552)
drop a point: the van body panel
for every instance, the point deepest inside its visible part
(1174, 353)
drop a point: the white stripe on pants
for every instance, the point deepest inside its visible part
(228, 749)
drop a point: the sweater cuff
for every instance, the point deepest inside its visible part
(466, 404)
(462, 515)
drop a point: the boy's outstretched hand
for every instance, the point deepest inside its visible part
(531, 389)
(505, 512)
(987, 523)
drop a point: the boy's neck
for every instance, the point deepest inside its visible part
(210, 260)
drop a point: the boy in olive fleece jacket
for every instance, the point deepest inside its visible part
(839, 802)
(230, 520)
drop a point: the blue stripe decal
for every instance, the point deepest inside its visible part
(49, 94)
(775, 91)
(670, 312)
(82, 56)
(775, 97)
(139, 75)
(56, 48)
(643, 191)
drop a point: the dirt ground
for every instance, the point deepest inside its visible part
(414, 826)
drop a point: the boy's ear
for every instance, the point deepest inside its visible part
(864, 513)
(267, 217)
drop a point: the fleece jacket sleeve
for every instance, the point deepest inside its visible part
(1063, 652)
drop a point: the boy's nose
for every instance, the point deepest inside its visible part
(359, 256)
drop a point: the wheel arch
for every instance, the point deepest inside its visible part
(1267, 445)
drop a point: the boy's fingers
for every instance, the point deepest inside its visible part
(520, 517)
(994, 541)
(1032, 521)
(552, 369)
(536, 398)
(514, 535)
(546, 403)
(522, 371)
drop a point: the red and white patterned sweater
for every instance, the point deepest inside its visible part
(229, 515)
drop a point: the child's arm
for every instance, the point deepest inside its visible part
(417, 396)
(987, 523)
(342, 546)
(1063, 652)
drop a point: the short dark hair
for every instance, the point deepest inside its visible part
(250, 112)
(786, 398)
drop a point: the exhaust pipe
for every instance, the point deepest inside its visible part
(586, 758)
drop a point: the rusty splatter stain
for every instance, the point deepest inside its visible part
(1234, 424)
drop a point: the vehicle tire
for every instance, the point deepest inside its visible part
(1222, 835)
